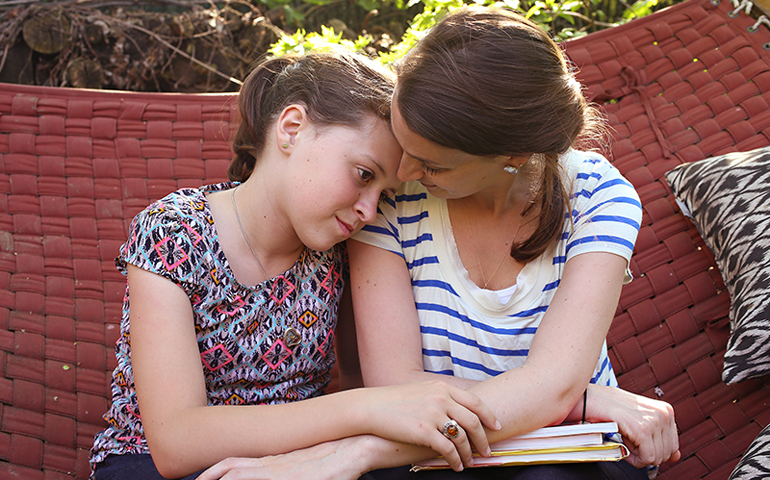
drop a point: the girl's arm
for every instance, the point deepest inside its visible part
(561, 359)
(185, 435)
(346, 459)
(348, 364)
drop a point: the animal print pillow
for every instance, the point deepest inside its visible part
(728, 199)
(756, 461)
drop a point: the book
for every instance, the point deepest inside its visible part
(585, 442)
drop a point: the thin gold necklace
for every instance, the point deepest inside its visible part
(475, 251)
(246, 237)
(291, 337)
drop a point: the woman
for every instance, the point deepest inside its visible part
(499, 263)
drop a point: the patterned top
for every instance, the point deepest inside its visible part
(249, 352)
(474, 333)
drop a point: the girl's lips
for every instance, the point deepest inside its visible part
(346, 229)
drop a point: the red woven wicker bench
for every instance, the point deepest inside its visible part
(76, 166)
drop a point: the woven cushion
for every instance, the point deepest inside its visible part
(684, 84)
(727, 198)
(756, 461)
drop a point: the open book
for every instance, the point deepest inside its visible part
(584, 442)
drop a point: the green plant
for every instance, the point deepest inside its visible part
(564, 19)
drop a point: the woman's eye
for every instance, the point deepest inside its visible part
(430, 171)
(384, 196)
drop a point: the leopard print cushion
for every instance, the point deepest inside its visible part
(728, 199)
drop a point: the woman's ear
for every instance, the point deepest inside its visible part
(288, 126)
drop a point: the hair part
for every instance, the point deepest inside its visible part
(489, 82)
(336, 88)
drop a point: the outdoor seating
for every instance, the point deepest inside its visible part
(682, 85)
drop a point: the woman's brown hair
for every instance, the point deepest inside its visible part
(489, 82)
(336, 88)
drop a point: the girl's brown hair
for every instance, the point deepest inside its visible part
(489, 82)
(336, 88)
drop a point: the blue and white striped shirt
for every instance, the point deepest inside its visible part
(469, 332)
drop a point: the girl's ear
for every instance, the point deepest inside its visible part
(288, 126)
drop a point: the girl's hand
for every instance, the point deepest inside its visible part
(415, 413)
(647, 426)
(328, 461)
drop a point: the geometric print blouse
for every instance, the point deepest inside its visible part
(264, 344)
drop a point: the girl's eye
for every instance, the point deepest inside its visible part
(366, 175)
(384, 196)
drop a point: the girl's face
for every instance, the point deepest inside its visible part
(338, 175)
(445, 172)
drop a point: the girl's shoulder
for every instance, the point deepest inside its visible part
(176, 227)
(181, 207)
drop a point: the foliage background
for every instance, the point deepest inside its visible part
(208, 46)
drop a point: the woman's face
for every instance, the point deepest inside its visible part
(445, 172)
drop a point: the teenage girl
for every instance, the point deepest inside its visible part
(234, 291)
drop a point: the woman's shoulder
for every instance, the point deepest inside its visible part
(410, 197)
(585, 168)
(582, 161)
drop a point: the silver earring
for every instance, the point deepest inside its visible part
(510, 169)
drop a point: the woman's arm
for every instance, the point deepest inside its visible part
(561, 360)
(647, 425)
(186, 435)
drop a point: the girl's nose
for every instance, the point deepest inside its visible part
(366, 207)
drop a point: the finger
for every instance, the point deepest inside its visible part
(446, 448)
(473, 429)
(674, 437)
(477, 406)
(463, 447)
(220, 469)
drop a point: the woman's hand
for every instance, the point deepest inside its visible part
(415, 413)
(647, 426)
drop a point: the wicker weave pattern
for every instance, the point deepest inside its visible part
(682, 85)
(75, 166)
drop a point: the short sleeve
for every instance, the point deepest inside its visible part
(606, 211)
(383, 232)
(165, 241)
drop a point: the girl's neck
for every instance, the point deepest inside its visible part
(254, 234)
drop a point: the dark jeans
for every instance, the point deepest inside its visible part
(132, 467)
(621, 470)
(141, 467)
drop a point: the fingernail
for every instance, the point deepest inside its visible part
(498, 426)
(488, 452)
